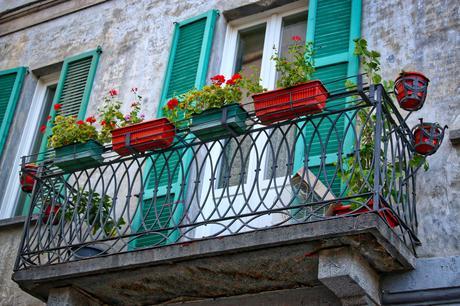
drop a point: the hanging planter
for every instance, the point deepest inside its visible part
(410, 90)
(140, 137)
(386, 214)
(230, 120)
(27, 177)
(427, 137)
(51, 212)
(288, 103)
(79, 156)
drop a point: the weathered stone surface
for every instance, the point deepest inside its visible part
(66, 296)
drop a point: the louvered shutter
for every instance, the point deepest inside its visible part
(163, 198)
(332, 27)
(10, 88)
(74, 87)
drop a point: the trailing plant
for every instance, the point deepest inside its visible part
(296, 69)
(111, 117)
(68, 130)
(219, 93)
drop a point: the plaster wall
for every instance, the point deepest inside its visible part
(136, 35)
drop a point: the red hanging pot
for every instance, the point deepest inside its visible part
(410, 90)
(288, 103)
(144, 136)
(27, 177)
(386, 214)
(51, 212)
(427, 137)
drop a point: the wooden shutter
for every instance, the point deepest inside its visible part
(163, 198)
(11, 81)
(74, 87)
(332, 27)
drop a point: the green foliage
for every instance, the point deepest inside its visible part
(299, 68)
(69, 130)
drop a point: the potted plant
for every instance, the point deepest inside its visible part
(51, 212)
(410, 90)
(297, 95)
(214, 111)
(427, 137)
(27, 177)
(75, 143)
(130, 133)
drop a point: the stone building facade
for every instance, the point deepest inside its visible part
(136, 38)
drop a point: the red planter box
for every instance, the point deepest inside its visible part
(288, 103)
(385, 214)
(411, 89)
(27, 179)
(144, 136)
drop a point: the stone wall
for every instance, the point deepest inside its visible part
(136, 35)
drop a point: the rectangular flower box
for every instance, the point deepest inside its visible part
(79, 156)
(288, 103)
(216, 123)
(144, 136)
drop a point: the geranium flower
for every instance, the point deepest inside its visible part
(57, 106)
(80, 122)
(48, 118)
(113, 92)
(103, 122)
(218, 79)
(43, 129)
(234, 78)
(91, 119)
(296, 38)
(172, 103)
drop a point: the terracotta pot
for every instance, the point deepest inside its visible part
(410, 90)
(387, 214)
(26, 178)
(51, 211)
(144, 136)
(427, 137)
(288, 103)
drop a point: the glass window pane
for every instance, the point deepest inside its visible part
(282, 145)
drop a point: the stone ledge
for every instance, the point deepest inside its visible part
(271, 259)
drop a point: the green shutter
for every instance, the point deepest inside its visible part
(162, 203)
(11, 81)
(332, 27)
(74, 87)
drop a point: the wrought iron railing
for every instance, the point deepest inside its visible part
(354, 157)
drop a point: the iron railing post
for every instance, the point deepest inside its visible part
(377, 99)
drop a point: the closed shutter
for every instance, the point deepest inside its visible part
(332, 27)
(10, 88)
(162, 203)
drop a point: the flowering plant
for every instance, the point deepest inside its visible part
(219, 93)
(298, 68)
(68, 130)
(111, 117)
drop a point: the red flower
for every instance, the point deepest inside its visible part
(80, 122)
(48, 118)
(103, 122)
(91, 119)
(113, 92)
(296, 38)
(57, 106)
(172, 103)
(218, 79)
(234, 78)
(43, 129)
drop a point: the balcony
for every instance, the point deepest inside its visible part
(268, 210)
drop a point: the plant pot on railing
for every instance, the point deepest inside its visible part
(386, 214)
(427, 137)
(88, 251)
(79, 156)
(410, 90)
(230, 120)
(144, 136)
(51, 212)
(27, 177)
(288, 103)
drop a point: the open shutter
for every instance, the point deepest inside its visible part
(74, 87)
(10, 88)
(163, 198)
(332, 27)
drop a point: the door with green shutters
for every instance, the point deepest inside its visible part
(11, 81)
(162, 202)
(72, 93)
(332, 27)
